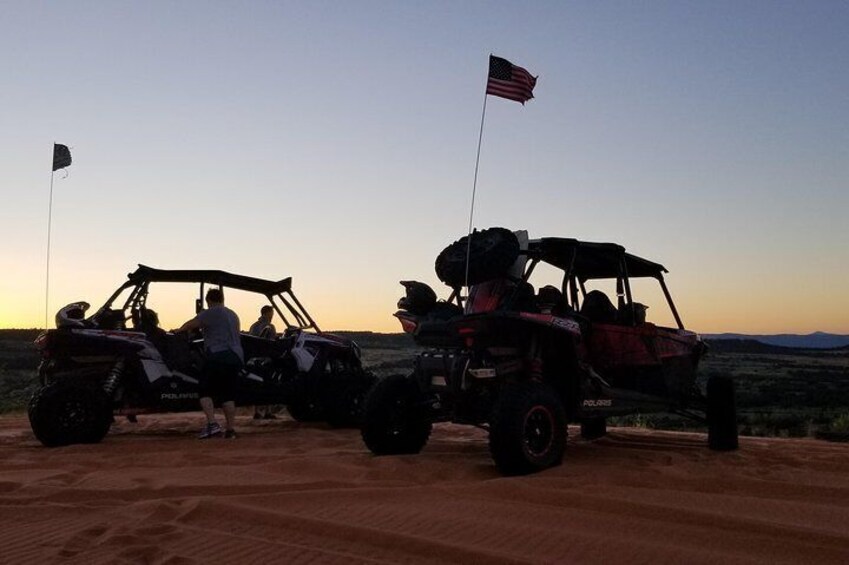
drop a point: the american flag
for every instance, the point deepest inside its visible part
(509, 81)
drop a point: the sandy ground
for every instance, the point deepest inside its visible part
(291, 493)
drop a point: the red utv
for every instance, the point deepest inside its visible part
(523, 363)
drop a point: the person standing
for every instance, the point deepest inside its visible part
(265, 329)
(224, 360)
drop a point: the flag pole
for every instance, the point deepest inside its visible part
(475, 184)
(49, 223)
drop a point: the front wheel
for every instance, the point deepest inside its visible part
(305, 409)
(528, 429)
(721, 414)
(395, 419)
(64, 414)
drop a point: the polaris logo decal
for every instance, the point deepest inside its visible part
(597, 403)
(568, 325)
(178, 395)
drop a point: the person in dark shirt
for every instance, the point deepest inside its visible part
(264, 328)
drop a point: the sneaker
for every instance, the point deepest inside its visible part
(210, 430)
(230, 434)
(269, 416)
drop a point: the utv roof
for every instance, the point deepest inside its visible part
(221, 278)
(589, 260)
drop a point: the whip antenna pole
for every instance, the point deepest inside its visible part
(474, 188)
(47, 276)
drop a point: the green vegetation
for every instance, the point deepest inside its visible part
(18, 363)
(787, 392)
(840, 424)
(385, 354)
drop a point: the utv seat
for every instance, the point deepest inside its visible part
(254, 346)
(524, 298)
(598, 308)
(550, 301)
(633, 316)
(486, 296)
(177, 351)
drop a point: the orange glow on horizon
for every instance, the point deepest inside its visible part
(374, 313)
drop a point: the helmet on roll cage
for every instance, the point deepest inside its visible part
(419, 298)
(72, 315)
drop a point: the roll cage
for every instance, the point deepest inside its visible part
(279, 293)
(582, 261)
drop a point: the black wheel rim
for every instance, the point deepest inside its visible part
(75, 414)
(398, 417)
(538, 432)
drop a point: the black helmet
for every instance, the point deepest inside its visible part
(72, 315)
(419, 300)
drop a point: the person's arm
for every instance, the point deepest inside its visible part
(193, 324)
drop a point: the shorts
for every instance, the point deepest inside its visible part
(220, 376)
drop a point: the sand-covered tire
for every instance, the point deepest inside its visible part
(64, 414)
(395, 418)
(721, 414)
(527, 430)
(304, 402)
(593, 428)
(491, 254)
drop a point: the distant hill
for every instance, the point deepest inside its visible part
(816, 340)
(20, 335)
(752, 346)
(382, 340)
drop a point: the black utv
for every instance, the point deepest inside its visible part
(524, 362)
(118, 361)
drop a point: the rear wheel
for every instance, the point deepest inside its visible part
(527, 429)
(63, 414)
(304, 403)
(395, 419)
(721, 414)
(305, 408)
(491, 254)
(344, 403)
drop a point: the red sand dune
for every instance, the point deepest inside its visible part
(291, 493)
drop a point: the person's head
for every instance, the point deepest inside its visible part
(266, 312)
(214, 296)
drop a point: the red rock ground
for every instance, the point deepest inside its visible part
(290, 493)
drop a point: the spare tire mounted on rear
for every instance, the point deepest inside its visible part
(491, 253)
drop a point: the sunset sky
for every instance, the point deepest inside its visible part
(335, 142)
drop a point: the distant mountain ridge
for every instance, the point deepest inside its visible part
(816, 340)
